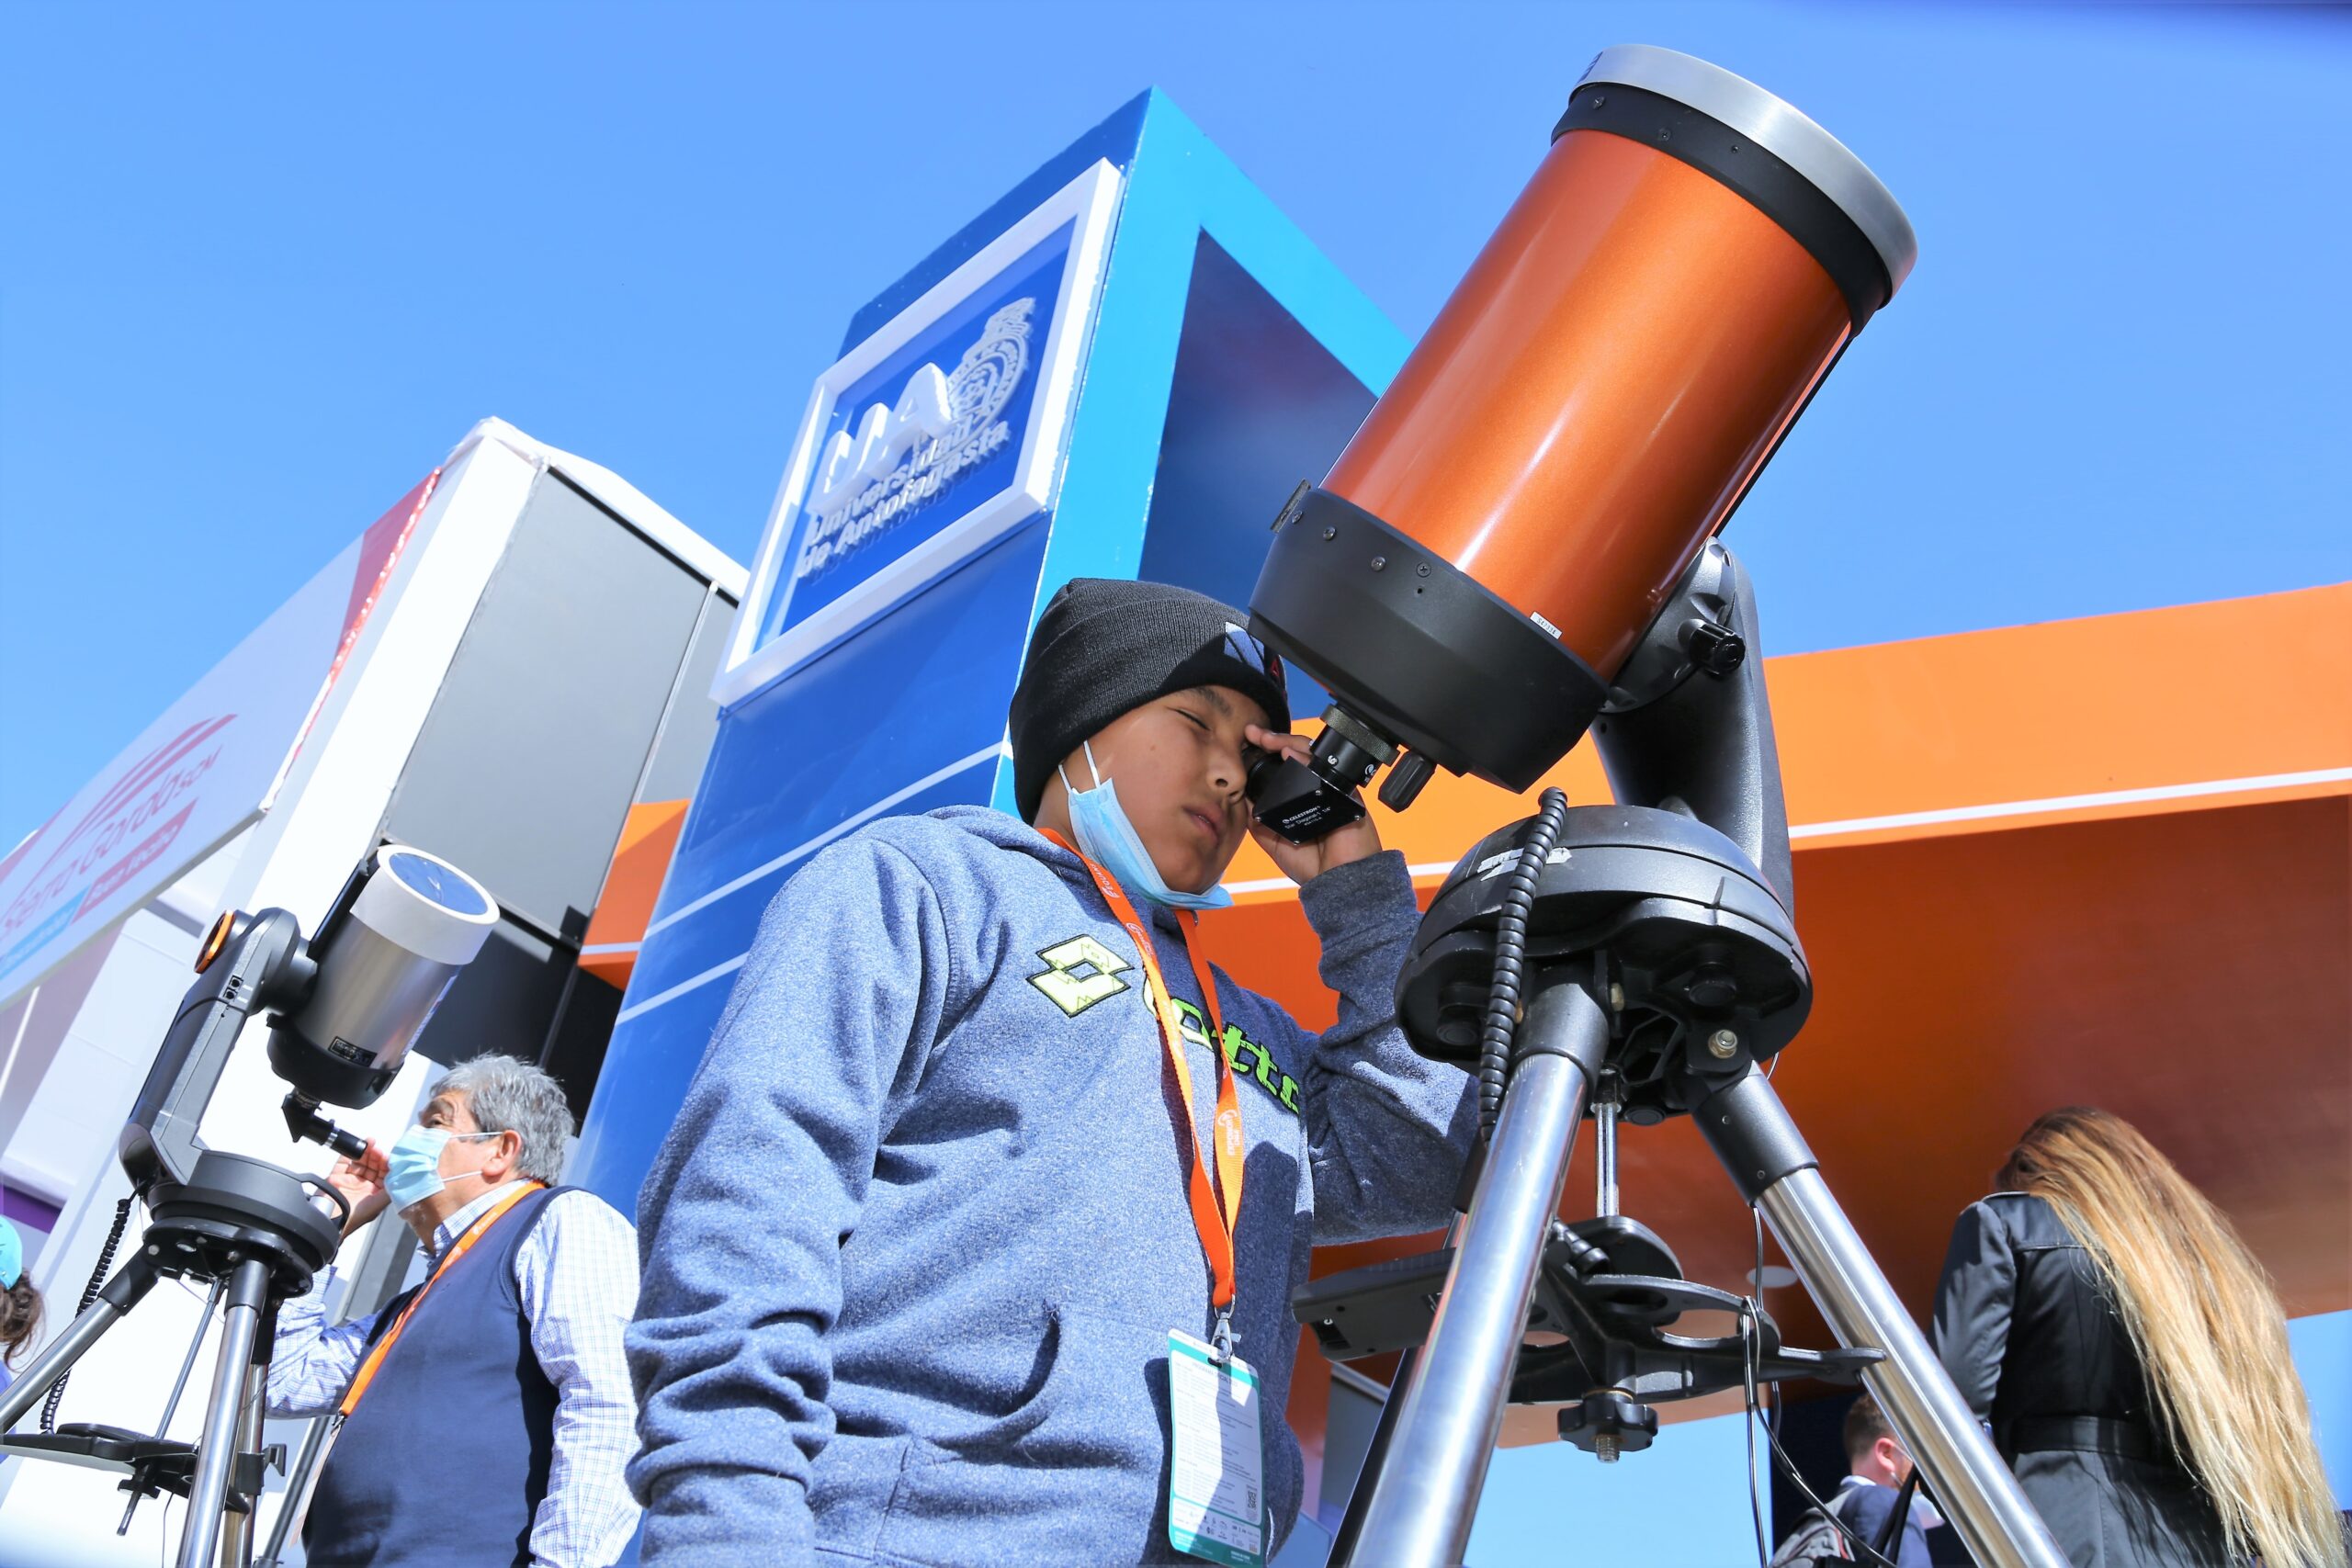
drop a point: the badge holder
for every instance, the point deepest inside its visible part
(1216, 1494)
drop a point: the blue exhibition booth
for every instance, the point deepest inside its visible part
(1120, 369)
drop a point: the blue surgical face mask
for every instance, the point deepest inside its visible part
(1111, 841)
(412, 1164)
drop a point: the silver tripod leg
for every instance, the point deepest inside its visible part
(122, 1292)
(1768, 1159)
(224, 1417)
(1345, 1539)
(300, 1476)
(1426, 1492)
(237, 1530)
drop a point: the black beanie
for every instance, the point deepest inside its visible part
(1105, 646)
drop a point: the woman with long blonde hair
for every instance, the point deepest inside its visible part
(2131, 1356)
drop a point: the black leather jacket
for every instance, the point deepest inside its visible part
(2025, 1324)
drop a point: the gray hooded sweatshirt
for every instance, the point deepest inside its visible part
(915, 1246)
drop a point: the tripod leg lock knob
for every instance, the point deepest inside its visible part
(1609, 1422)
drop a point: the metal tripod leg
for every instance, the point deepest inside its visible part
(237, 1530)
(1345, 1540)
(300, 1476)
(224, 1417)
(1376, 1452)
(131, 1283)
(1768, 1159)
(1426, 1492)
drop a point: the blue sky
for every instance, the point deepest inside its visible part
(261, 267)
(264, 264)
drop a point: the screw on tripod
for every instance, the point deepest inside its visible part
(1608, 1424)
(1722, 1045)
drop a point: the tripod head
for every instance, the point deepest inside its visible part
(342, 1006)
(1675, 908)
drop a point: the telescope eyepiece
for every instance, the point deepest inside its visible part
(1310, 800)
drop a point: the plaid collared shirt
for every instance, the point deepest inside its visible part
(576, 1275)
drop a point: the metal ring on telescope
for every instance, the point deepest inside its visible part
(1766, 122)
(1770, 186)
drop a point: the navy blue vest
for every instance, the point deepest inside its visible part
(446, 1460)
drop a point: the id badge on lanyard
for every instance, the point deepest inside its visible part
(1217, 1481)
(1217, 1492)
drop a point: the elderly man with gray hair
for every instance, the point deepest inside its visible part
(485, 1416)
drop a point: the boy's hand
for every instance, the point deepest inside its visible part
(361, 1182)
(1304, 862)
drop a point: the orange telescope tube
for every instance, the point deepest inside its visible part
(1597, 394)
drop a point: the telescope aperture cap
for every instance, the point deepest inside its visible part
(1106, 646)
(422, 902)
(12, 1256)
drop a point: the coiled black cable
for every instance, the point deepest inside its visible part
(89, 1296)
(1510, 951)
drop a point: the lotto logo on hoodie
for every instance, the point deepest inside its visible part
(1080, 972)
(1250, 1060)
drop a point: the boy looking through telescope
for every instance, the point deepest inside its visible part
(985, 1206)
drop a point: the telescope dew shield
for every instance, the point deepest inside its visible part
(382, 969)
(1591, 404)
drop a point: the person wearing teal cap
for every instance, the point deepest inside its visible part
(19, 1301)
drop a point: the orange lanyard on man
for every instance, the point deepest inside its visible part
(475, 1232)
(1215, 1224)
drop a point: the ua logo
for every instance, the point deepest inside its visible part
(1083, 972)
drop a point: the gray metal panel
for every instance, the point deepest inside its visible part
(525, 769)
(684, 747)
(1348, 1425)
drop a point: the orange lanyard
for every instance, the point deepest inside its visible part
(1215, 1225)
(474, 1233)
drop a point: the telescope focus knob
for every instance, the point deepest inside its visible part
(1405, 779)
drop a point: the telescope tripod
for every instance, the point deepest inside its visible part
(257, 1235)
(1645, 955)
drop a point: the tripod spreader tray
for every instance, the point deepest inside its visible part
(1609, 1289)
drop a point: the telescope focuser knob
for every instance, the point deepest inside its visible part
(1714, 647)
(1403, 785)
